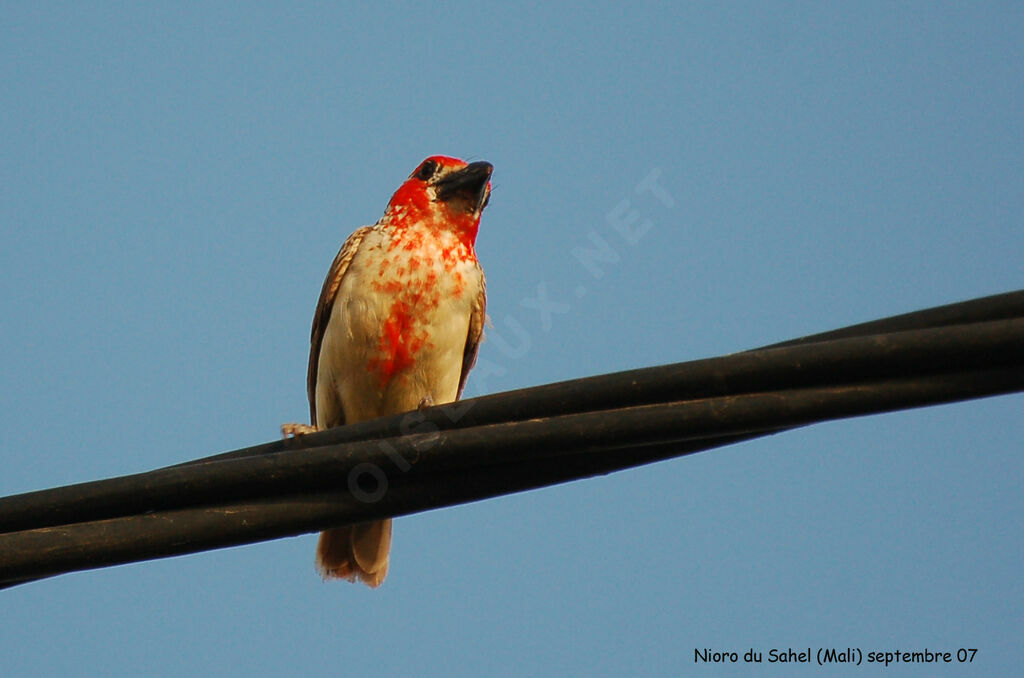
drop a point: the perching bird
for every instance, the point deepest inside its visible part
(397, 327)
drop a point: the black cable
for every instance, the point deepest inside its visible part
(517, 440)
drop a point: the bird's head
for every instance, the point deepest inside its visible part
(444, 192)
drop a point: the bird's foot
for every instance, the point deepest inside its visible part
(292, 430)
(427, 401)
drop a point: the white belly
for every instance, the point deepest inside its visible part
(397, 331)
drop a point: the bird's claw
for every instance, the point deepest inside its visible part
(293, 430)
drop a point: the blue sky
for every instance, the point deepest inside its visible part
(176, 178)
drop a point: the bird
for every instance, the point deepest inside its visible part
(397, 327)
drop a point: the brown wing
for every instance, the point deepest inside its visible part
(476, 333)
(322, 315)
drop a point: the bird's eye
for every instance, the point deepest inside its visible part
(427, 170)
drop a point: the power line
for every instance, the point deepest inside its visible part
(516, 441)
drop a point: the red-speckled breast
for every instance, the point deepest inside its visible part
(400, 321)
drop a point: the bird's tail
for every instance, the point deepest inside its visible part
(354, 552)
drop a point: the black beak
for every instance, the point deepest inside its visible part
(467, 185)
